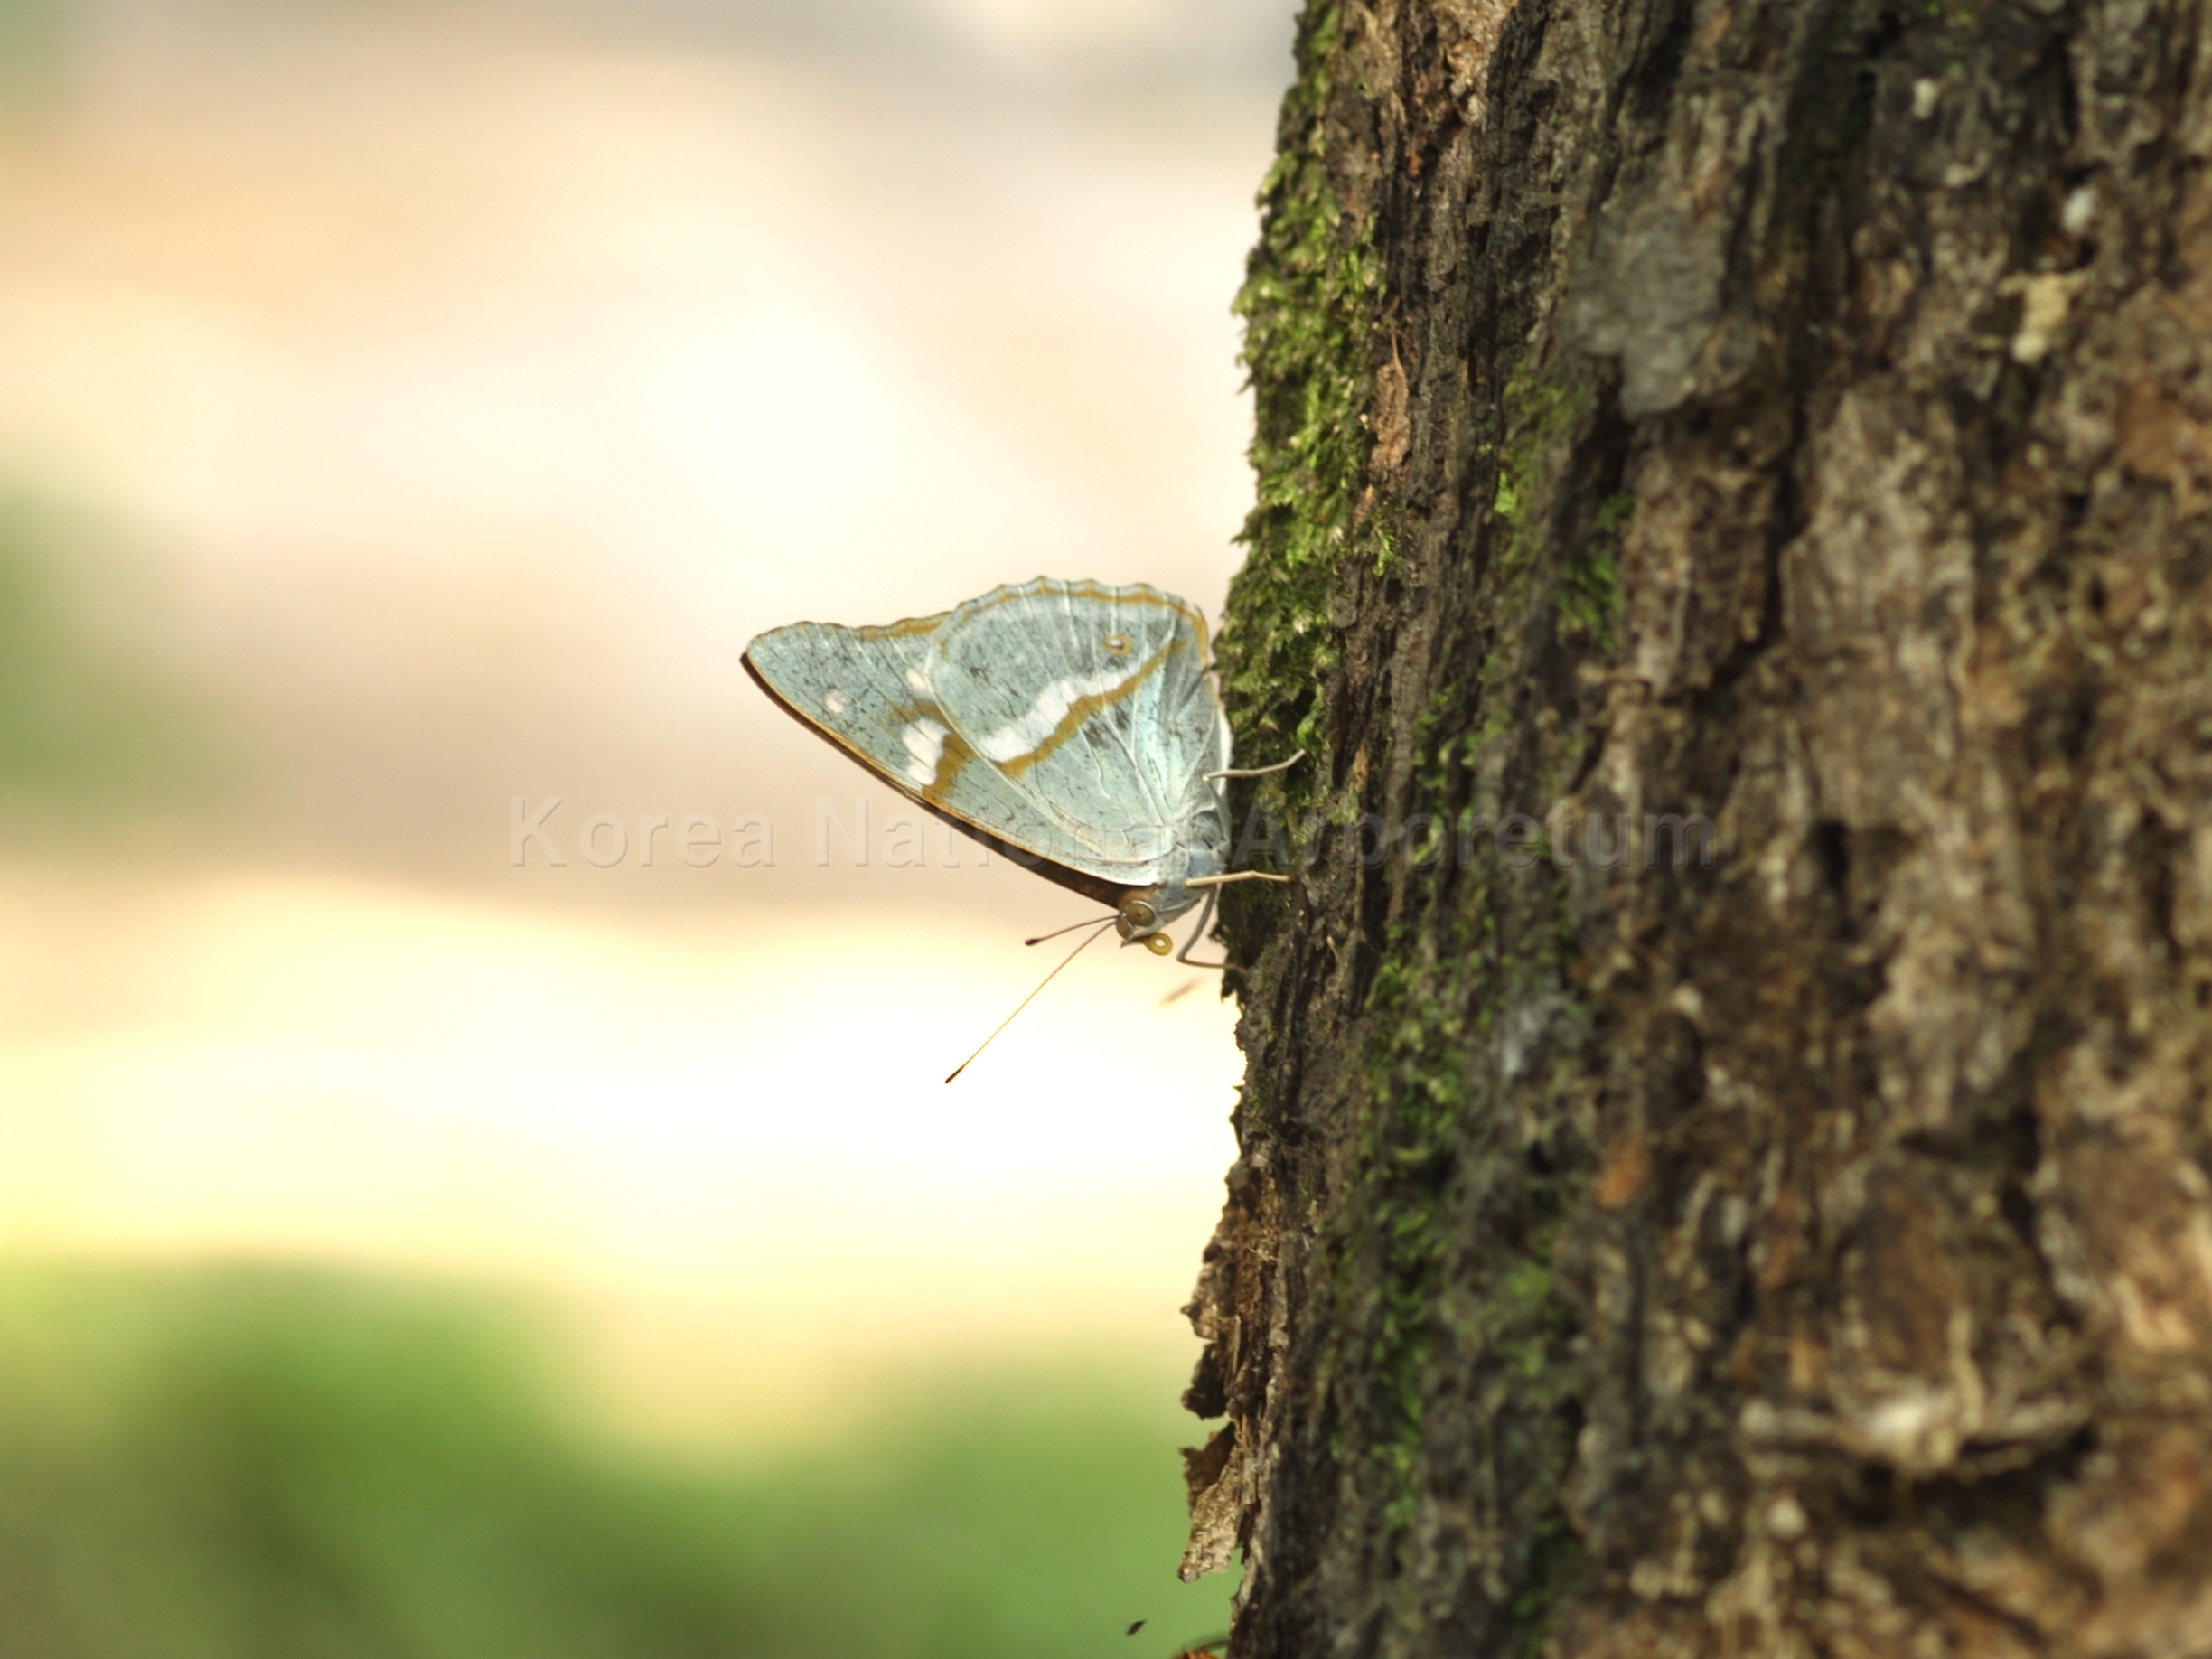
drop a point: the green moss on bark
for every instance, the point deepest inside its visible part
(1311, 296)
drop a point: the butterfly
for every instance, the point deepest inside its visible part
(1070, 726)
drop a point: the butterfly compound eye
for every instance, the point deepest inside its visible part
(1117, 644)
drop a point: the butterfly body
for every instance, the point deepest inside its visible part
(1072, 726)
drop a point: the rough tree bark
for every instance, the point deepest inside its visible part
(1798, 413)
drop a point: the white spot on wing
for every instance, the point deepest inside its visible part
(1028, 734)
(924, 741)
(919, 681)
(835, 702)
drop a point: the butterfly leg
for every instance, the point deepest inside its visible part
(1258, 772)
(1205, 920)
(1212, 884)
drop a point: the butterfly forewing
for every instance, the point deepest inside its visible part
(865, 690)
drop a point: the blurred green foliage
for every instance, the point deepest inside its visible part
(90, 715)
(257, 1464)
(34, 51)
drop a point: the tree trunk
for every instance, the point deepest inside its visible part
(1795, 415)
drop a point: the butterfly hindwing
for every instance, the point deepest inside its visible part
(1093, 703)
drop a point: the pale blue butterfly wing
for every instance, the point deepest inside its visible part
(1069, 721)
(1093, 702)
(868, 691)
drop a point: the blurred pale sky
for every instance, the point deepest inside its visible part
(442, 395)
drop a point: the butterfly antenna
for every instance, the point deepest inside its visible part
(1032, 996)
(1071, 927)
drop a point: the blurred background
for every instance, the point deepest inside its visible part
(419, 1235)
